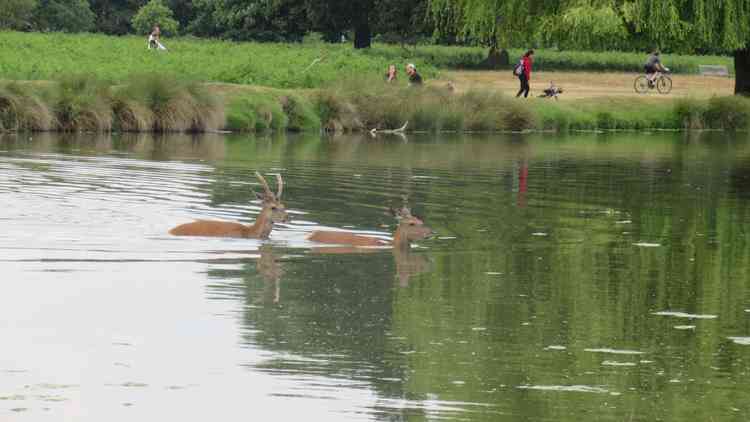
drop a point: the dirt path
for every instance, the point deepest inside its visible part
(578, 85)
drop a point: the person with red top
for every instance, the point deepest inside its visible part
(525, 75)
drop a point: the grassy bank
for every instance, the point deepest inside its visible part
(163, 103)
(37, 56)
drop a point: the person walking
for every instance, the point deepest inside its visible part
(524, 73)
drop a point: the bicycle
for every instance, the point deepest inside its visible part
(662, 83)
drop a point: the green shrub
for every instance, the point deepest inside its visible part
(167, 103)
(16, 14)
(690, 113)
(730, 113)
(255, 112)
(20, 109)
(153, 13)
(300, 114)
(64, 16)
(82, 103)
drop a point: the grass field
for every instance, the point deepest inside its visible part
(48, 56)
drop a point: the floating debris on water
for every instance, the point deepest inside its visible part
(540, 234)
(567, 388)
(47, 386)
(684, 315)
(614, 363)
(133, 385)
(555, 347)
(614, 351)
(647, 245)
(684, 327)
(744, 341)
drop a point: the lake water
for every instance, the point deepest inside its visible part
(583, 278)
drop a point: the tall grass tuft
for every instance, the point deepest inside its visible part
(427, 109)
(82, 103)
(255, 112)
(21, 109)
(300, 113)
(729, 113)
(163, 103)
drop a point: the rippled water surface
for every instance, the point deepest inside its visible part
(584, 278)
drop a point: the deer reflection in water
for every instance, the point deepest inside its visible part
(270, 269)
(410, 228)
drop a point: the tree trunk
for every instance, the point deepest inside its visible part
(742, 72)
(362, 32)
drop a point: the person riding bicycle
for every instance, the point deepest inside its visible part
(653, 66)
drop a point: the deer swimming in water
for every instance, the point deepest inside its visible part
(410, 228)
(273, 211)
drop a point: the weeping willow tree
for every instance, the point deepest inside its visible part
(492, 23)
(703, 25)
(686, 26)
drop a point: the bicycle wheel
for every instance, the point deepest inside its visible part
(664, 84)
(641, 85)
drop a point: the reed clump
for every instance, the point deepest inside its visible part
(427, 109)
(164, 103)
(255, 112)
(82, 103)
(21, 109)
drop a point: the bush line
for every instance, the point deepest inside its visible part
(163, 103)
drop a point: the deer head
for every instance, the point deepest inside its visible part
(410, 228)
(272, 206)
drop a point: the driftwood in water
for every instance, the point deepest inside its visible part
(398, 131)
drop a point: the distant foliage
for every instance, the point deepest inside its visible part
(155, 12)
(242, 20)
(114, 16)
(64, 16)
(585, 27)
(16, 14)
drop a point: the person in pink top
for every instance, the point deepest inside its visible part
(525, 75)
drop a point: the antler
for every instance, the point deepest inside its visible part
(280, 184)
(263, 182)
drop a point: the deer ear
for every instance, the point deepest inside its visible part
(260, 196)
(394, 212)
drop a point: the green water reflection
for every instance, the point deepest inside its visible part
(572, 243)
(552, 253)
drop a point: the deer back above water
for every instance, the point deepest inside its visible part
(273, 211)
(410, 228)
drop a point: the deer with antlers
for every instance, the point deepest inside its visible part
(410, 228)
(273, 211)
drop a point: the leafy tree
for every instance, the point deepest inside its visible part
(722, 25)
(402, 21)
(586, 27)
(155, 12)
(262, 20)
(16, 14)
(64, 15)
(114, 16)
